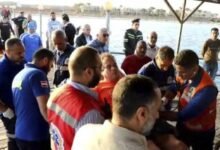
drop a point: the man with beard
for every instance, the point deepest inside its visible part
(11, 63)
(31, 91)
(136, 102)
(75, 104)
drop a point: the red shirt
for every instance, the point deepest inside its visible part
(133, 63)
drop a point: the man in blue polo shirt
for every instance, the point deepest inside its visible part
(10, 64)
(31, 90)
(31, 40)
(161, 69)
(62, 53)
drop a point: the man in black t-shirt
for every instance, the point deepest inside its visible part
(18, 21)
(69, 29)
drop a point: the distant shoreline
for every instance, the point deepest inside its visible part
(101, 15)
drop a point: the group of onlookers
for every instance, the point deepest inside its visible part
(97, 104)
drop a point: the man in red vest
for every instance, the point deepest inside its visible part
(197, 104)
(74, 104)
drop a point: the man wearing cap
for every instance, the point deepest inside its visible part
(69, 29)
(31, 40)
(132, 36)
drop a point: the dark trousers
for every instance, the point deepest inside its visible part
(10, 128)
(197, 140)
(33, 145)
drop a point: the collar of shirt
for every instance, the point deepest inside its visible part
(126, 134)
(29, 65)
(83, 88)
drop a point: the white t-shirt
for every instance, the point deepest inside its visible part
(108, 137)
(152, 52)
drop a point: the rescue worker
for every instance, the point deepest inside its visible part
(197, 104)
(11, 63)
(31, 91)
(75, 104)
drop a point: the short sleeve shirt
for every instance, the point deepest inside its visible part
(27, 85)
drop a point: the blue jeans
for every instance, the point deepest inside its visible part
(211, 68)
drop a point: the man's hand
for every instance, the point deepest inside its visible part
(168, 115)
(8, 113)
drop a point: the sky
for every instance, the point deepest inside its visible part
(127, 3)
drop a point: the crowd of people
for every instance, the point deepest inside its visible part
(97, 104)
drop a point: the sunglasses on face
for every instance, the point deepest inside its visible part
(105, 35)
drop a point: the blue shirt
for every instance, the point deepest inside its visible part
(27, 85)
(200, 101)
(164, 79)
(61, 67)
(101, 47)
(32, 42)
(8, 70)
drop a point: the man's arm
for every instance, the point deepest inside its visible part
(205, 48)
(42, 104)
(126, 45)
(11, 29)
(195, 107)
(198, 104)
(41, 90)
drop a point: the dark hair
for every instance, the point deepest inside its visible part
(187, 59)
(11, 42)
(214, 29)
(165, 53)
(141, 42)
(132, 92)
(83, 57)
(43, 53)
(52, 12)
(65, 17)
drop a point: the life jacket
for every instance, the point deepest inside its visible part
(66, 107)
(206, 120)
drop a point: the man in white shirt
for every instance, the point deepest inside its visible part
(152, 48)
(52, 25)
(136, 101)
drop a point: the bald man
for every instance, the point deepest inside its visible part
(152, 48)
